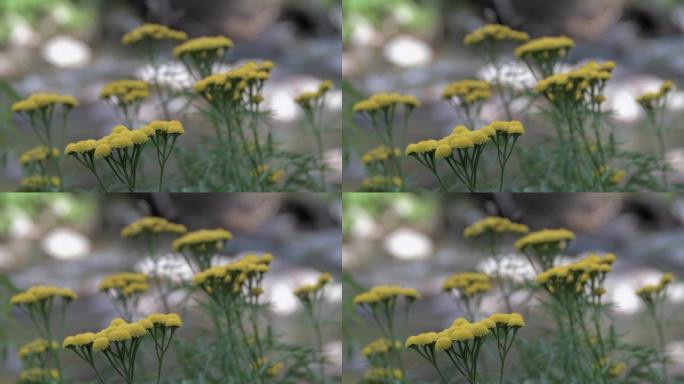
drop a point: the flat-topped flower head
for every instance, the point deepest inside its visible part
(306, 292)
(35, 347)
(655, 100)
(150, 31)
(380, 183)
(650, 293)
(172, 127)
(384, 101)
(467, 92)
(581, 85)
(384, 294)
(204, 47)
(202, 240)
(152, 225)
(38, 154)
(239, 85)
(583, 277)
(125, 91)
(507, 320)
(308, 100)
(511, 128)
(543, 54)
(494, 225)
(494, 33)
(125, 284)
(41, 101)
(381, 346)
(39, 293)
(380, 154)
(545, 238)
(38, 375)
(467, 284)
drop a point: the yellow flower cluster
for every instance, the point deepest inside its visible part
(462, 330)
(37, 154)
(125, 283)
(649, 292)
(274, 176)
(380, 183)
(544, 47)
(494, 224)
(305, 291)
(235, 277)
(39, 183)
(460, 138)
(385, 293)
(35, 347)
(468, 284)
(513, 127)
(385, 101)
(41, 100)
(649, 100)
(577, 84)
(170, 127)
(495, 32)
(126, 91)
(152, 224)
(583, 276)
(154, 32)
(468, 91)
(380, 346)
(236, 82)
(381, 375)
(38, 375)
(80, 147)
(202, 240)
(204, 46)
(39, 293)
(545, 238)
(272, 370)
(379, 154)
(308, 99)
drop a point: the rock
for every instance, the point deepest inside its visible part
(67, 52)
(407, 51)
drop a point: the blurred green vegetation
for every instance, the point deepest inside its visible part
(416, 208)
(66, 15)
(411, 14)
(64, 208)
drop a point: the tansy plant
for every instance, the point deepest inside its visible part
(489, 233)
(47, 115)
(462, 343)
(654, 296)
(381, 109)
(199, 247)
(40, 303)
(654, 105)
(313, 103)
(150, 233)
(468, 288)
(125, 289)
(381, 303)
(311, 296)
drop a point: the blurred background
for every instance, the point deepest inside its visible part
(416, 47)
(73, 241)
(73, 47)
(416, 240)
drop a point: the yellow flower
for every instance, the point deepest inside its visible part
(103, 150)
(380, 154)
(469, 91)
(38, 154)
(125, 91)
(493, 224)
(101, 343)
(467, 283)
(38, 293)
(385, 100)
(310, 99)
(380, 346)
(544, 236)
(203, 46)
(37, 101)
(651, 100)
(152, 225)
(558, 45)
(201, 239)
(153, 32)
(496, 32)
